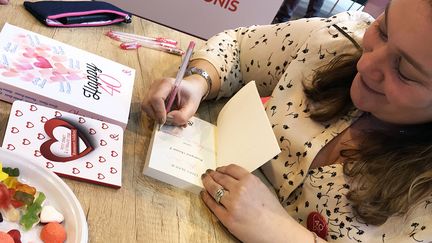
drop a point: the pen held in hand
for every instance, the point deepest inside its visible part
(179, 77)
(156, 46)
(171, 97)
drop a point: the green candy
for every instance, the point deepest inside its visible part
(31, 216)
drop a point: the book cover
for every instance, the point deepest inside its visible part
(44, 71)
(70, 145)
(243, 135)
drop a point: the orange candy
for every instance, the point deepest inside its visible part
(5, 238)
(53, 233)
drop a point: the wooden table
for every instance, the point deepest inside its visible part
(144, 209)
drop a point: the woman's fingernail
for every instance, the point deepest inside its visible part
(203, 175)
(209, 170)
(169, 119)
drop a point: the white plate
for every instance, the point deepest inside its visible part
(58, 194)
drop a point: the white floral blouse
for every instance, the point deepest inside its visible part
(279, 58)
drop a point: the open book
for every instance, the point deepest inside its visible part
(243, 136)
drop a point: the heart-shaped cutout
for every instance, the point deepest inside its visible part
(66, 143)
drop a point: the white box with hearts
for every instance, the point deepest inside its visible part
(44, 71)
(70, 145)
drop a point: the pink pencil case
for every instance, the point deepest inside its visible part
(77, 13)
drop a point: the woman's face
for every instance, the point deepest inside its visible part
(394, 79)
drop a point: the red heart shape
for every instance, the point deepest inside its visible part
(102, 142)
(102, 159)
(45, 148)
(114, 136)
(18, 113)
(75, 171)
(113, 170)
(25, 141)
(81, 120)
(101, 176)
(42, 62)
(49, 165)
(10, 147)
(114, 154)
(37, 153)
(14, 130)
(43, 119)
(29, 125)
(89, 165)
(92, 131)
(40, 136)
(33, 108)
(104, 125)
(57, 114)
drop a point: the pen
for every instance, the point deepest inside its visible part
(156, 46)
(116, 34)
(130, 39)
(179, 77)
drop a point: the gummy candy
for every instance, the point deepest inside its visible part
(6, 238)
(25, 188)
(11, 171)
(3, 175)
(4, 197)
(53, 233)
(10, 182)
(31, 217)
(16, 235)
(24, 197)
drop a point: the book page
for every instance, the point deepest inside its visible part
(183, 154)
(244, 133)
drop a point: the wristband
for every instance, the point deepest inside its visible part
(204, 74)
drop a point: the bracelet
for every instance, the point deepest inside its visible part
(204, 74)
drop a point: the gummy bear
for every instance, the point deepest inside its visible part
(5, 198)
(25, 188)
(24, 197)
(10, 182)
(30, 217)
(3, 175)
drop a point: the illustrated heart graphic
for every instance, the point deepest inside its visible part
(10, 147)
(81, 120)
(101, 176)
(92, 131)
(42, 62)
(14, 130)
(104, 125)
(29, 125)
(49, 165)
(114, 154)
(65, 143)
(25, 141)
(33, 108)
(89, 165)
(43, 119)
(57, 114)
(114, 136)
(75, 171)
(18, 113)
(102, 159)
(102, 142)
(113, 170)
(40, 136)
(37, 153)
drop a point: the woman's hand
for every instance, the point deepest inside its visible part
(185, 105)
(248, 209)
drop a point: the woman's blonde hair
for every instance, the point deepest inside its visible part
(392, 169)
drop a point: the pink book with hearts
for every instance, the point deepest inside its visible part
(70, 145)
(44, 71)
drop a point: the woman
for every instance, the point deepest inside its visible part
(353, 124)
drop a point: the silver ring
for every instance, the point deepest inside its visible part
(219, 194)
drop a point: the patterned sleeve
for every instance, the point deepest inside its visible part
(260, 53)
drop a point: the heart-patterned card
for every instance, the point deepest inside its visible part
(72, 146)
